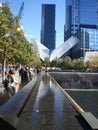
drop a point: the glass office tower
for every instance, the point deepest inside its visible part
(48, 26)
(82, 22)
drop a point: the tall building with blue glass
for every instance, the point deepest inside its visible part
(48, 26)
(82, 22)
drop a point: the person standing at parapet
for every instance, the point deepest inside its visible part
(17, 80)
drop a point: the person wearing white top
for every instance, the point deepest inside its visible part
(16, 80)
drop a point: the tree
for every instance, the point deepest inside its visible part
(66, 62)
(78, 64)
(14, 47)
(46, 62)
(56, 62)
(6, 25)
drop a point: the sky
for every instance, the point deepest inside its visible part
(31, 17)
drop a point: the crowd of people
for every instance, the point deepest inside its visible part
(16, 78)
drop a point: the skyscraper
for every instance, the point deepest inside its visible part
(82, 22)
(48, 26)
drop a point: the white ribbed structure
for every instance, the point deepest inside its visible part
(62, 49)
(41, 50)
(44, 52)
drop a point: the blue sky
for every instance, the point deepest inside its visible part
(31, 17)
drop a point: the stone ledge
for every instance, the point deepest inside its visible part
(15, 123)
(90, 119)
(14, 105)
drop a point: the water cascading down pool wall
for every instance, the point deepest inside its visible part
(74, 82)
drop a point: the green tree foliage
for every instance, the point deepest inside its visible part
(78, 64)
(54, 63)
(66, 62)
(46, 62)
(14, 47)
(62, 62)
(5, 24)
(57, 62)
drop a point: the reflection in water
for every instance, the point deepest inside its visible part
(51, 109)
(42, 114)
(88, 100)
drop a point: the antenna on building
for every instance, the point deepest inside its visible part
(21, 10)
(18, 17)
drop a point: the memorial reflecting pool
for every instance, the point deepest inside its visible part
(49, 109)
(87, 99)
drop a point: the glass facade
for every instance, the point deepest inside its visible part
(48, 26)
(88, 15)
(93, 39)
(83, 19)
